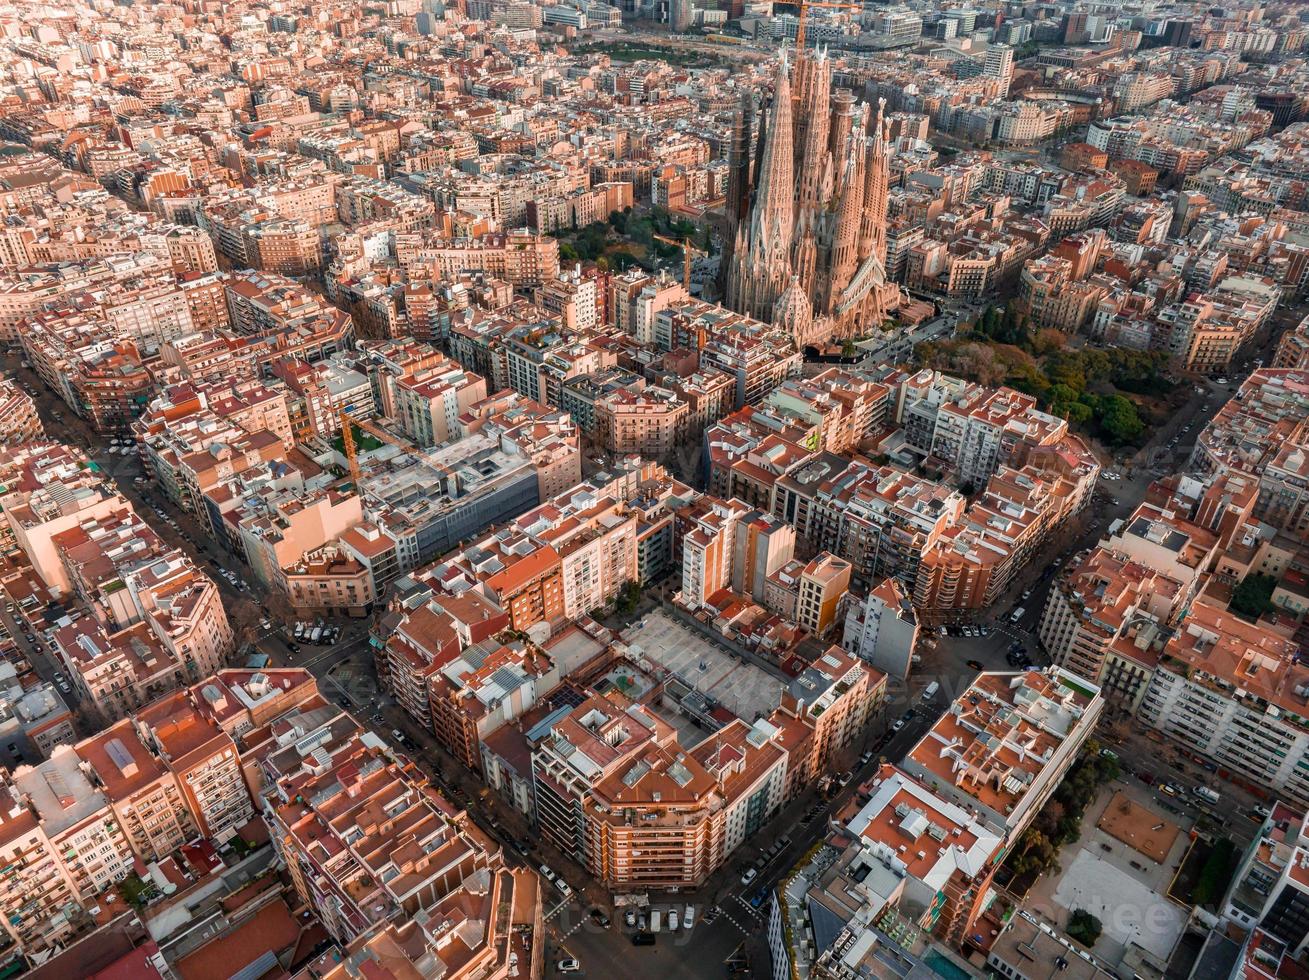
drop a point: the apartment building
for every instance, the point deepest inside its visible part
(546, 436)
(1107, 620)
(423, 633)
(882, 629)
(429, 402)
(974, 560)
(365, 841)
(1262, 434)
(18, 419)
(490, 945)
(1234, 692)
(649, 422)
(833, 698)
(821, 585)
(907, 855)
(72, 813)
(488, 684)
(846, 409)
(330, 581)
(141, 791)
(519, 257)
(285, 527)
(614, 790)
(1270, 890)
(203, 759)
(708, 548)
(997, 755)
(1110, 612)
(39, 906)
(1030, 724)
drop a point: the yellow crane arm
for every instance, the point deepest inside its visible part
(687, 249)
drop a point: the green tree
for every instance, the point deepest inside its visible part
(1084, 927)
(1215, 873)
(1119, 421)
(1254, 596)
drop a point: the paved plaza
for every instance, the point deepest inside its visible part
(744, 689)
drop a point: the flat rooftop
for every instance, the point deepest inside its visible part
(747, 691)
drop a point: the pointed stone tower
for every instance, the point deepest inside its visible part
(766, 270)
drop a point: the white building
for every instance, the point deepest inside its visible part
(882, 629)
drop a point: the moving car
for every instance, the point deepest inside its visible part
(569, 965)
(749, 876)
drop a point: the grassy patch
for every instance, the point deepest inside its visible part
(364, 443)
(620, 51)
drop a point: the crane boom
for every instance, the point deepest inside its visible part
(348, 421)
(687, 248)
(804, 7)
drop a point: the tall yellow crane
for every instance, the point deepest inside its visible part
(804, 7)
(687, 249)
(348, 422)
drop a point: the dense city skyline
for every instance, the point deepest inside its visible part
(654, 489)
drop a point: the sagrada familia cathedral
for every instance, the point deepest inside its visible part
(806, 242)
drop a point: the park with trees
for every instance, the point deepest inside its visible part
(1110, 393)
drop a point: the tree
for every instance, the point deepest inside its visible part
(1048, 340)
(1084, 927)
(1254, 596)
(567, 253)
(1119, 421)
(629, 596)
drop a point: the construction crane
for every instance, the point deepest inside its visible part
(348, 422)
(687, 249)
(804, 7)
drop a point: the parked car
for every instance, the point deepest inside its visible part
(629, 918)
(750, 875)
(674, 920)
(569, 965)
(547, 873)
(643, 939)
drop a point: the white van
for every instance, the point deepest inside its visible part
(929, 692)
(655, 916)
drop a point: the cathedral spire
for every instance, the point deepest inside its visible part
(812, 124)
(738, 183)
(872, 231)
(772, 218)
